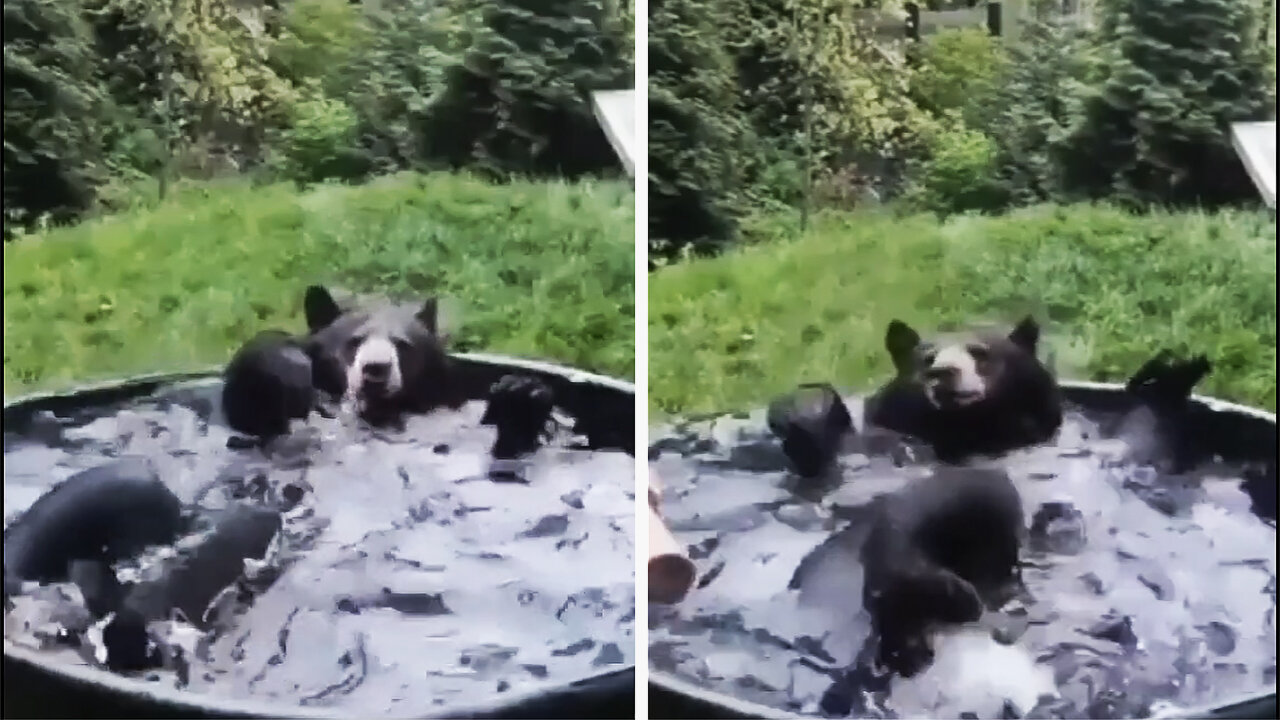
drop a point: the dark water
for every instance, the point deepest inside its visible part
(1151, 613)
(404, 579)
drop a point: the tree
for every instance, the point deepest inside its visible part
(52, 110)
(196, 70)
(518, 101)
(694, 129)
(1035, 106)
(824, 90)
(1155, 130)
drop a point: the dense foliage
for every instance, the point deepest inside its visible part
(51, 157)
(695, 134)
(102, 97)
(1154, 127)
(1130, 103)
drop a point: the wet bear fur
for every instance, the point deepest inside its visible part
(985, 394)
(1166, 426)
(939, 551)
(520, 407)
(269, 382)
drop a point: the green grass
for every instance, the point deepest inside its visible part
(1110, 288)
(537, 269)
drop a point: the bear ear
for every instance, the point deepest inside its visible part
(1201, 366)
(320, 308)
(1026, 334)
(1193, 371)
(1150, 370)
(429, 315)
(901, 341)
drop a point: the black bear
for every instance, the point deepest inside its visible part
(191, 582)
(984, 394)
(1167, 431)
(812, 423)
(520, 407)
(269, 382)
(388, 358)
(104, 514)
(940, 550)
(1164, 427)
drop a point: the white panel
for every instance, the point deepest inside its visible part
(616, 111)
(1256, 145)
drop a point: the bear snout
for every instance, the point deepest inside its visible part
(945, 376)
(376, 373)
(375, 370)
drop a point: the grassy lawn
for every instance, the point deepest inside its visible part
(537, 269)
(1109, 287)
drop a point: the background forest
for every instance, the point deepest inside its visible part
(176, 171)
(815, 173)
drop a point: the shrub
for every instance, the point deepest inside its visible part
(828, 90)
(319, 40)
(774, 178)
(54, 109)
(103, 91)
(320, 144)
(956, 174)
(960, 70)
(518, 100)
(399, 74)
(196, 70)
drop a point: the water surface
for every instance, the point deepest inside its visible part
(1152, 610)
(405, 579)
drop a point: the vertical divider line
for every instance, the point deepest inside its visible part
(641, 178)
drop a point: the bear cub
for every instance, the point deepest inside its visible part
(1164, 427)
(940, 550)
(985, 394)
(387, 358)
(269, 382)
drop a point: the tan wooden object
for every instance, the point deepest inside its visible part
(671, 572)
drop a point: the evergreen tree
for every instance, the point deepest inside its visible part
(52, 104)
(773, 78)
(694, 130)
(1035, 107)
(1156, 130)
(518, 102)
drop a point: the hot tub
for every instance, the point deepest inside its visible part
(577, 662)
(744, 655)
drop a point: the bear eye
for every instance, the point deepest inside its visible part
(979, 353)
(929, 356)
(353, 345)
(403, 347)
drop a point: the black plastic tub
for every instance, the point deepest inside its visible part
(37, 686)
(1234, 432)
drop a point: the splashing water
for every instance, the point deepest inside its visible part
(1150, 610)
(404, 580)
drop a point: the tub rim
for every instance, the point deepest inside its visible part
(743, 708)
(207, 705)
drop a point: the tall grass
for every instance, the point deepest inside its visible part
(1110, 287)
(537, 269)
